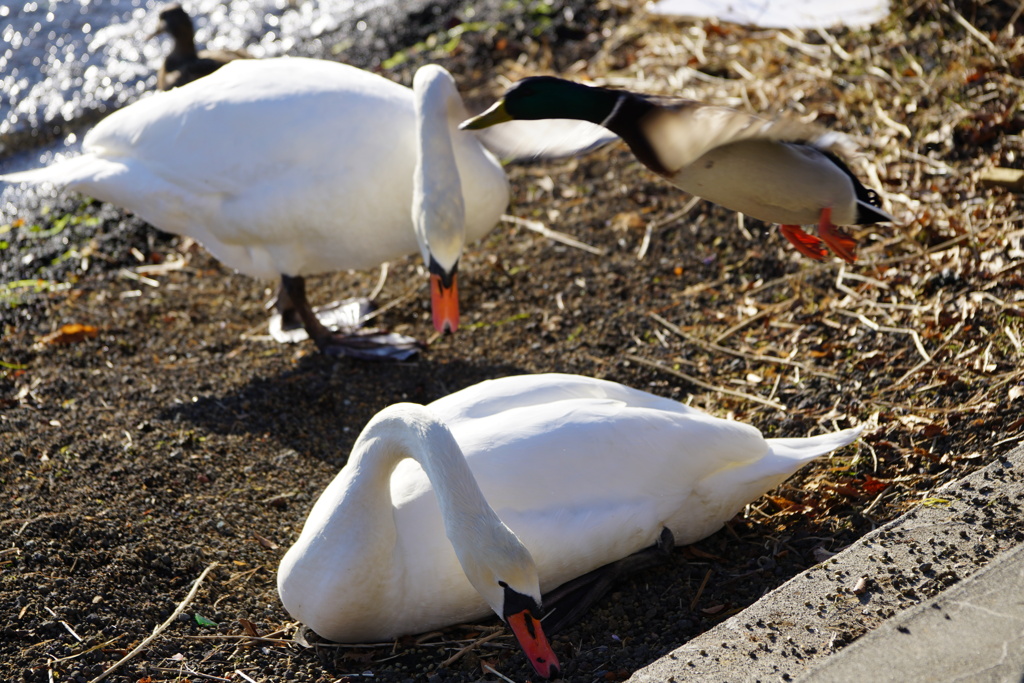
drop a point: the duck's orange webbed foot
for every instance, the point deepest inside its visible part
(842, 244)
(808, 245)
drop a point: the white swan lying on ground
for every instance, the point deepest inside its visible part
(582, 471)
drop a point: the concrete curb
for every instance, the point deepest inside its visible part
(959, 530)
(973, 631)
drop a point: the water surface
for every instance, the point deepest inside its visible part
(64, 64)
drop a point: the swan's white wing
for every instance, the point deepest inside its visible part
(545, 139)
(593, 470)
(584, 482)
(496, 396)
(264, 162)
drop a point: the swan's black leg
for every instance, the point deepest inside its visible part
(292, 294)
(282, 303)
(292, 304)
(571, 600)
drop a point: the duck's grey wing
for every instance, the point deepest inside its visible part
(682, 131)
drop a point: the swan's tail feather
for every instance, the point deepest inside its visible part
(67, 172)
(725, 492)
(808, 448)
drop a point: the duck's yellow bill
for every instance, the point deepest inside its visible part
(496, 114)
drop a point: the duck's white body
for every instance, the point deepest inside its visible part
(778, 171)
(584, 471)
(278, 166)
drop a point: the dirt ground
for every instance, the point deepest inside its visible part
(169, 434)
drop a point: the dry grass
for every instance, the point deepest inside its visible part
(921, 339)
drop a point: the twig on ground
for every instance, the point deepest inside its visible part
(380, 281)
(886, 328)
(490, 669)
(662, 222)
(476, 643)
(700, 590)
(743, 323)
(705, 385)
(408, 294)
(241, 637)
(804, 271)
(91, 649)
(974, 33)
(740, 354)
(70, 630)
(945, 342)
(559, 237)
(159, 629)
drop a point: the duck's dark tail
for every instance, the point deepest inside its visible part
(869, 204)
(869, 207)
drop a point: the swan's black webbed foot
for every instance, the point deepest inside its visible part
(371, 345)
(571, 600)
(334, 327)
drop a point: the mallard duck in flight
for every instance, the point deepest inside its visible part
(778, 171)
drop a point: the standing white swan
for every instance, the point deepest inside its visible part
(291, 167)
(583, 471)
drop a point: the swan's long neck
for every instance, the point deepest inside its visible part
(438, 208)
(408, 430)
(490, 554)
(498, 566)
(351, 539)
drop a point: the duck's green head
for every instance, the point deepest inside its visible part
(546, 97)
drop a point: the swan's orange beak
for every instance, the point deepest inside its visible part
(535, 645)
(444, 303)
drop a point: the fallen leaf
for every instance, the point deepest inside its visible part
(265, 542)
(627, 220)
(203, 621)
(249, 627)
(784, 503)
(872, 485)
(70, 334)
(844, 489)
